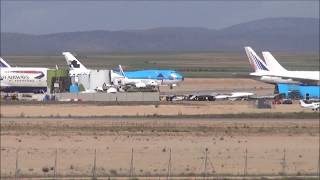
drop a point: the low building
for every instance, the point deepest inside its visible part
(303, 91)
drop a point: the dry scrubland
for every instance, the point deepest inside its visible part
(191, 64)
(226, 140)
(221, 85)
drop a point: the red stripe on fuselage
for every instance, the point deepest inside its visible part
(28, 72)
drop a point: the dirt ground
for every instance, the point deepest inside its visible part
(188, 108)
(87, 110)
(72, 142)
(221, 85)
(41, 146)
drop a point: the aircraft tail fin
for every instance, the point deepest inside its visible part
(3, 63)
(121, 71)
(272, 63)
(255, 61)
(302, 103)
(73, 62)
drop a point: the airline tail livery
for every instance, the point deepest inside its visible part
(269, 70)
(3, 63)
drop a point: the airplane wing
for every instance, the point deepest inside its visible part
(303, 80)
(306, 80)
(314, 81)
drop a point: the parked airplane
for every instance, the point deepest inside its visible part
(234, 96)
(270, 71)
(314, 105)
(138, 83)
(22, 79)
(210, 96)
(162, 77)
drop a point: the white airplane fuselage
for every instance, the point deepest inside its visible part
(21, 79)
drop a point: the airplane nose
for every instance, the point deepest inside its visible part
(176, 76)
(180, 77)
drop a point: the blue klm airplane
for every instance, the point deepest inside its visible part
(162, 77)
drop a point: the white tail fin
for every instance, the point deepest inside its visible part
(73, 62)
(255, 61)
(302, 103)
(4, 64)
(272, 63)
(121, 71)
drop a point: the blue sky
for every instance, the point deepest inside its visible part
(42, 17)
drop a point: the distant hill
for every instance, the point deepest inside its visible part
(274, 34)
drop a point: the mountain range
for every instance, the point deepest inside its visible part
(273, 34)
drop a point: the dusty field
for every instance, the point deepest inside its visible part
(72, 142)
(164, 109)
(189, 108)
(75, 141)
(189, 85)
(221, 85)
(89, 110)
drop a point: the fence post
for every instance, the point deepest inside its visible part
(169, 165)
(131, 164)
(17, 165)
(245, 172)
(319, 162)
(284, 163)
(94, 164)
(55, 164)
(205, 163)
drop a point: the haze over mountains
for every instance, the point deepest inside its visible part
(273, 34)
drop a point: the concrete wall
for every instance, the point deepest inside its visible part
(117, 97)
